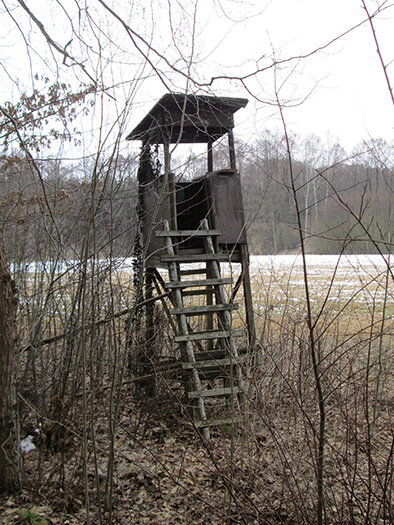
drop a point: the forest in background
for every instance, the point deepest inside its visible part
(346, 201)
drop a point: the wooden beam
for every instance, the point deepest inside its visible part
(248, 299)
(210, 157)
(233, 162)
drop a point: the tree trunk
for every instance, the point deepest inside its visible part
(10, 471)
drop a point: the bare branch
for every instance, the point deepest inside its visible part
(54, 44)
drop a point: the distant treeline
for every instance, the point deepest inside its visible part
(345, 202)
(65, 209)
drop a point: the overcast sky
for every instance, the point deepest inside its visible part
(344, 86)
(351, 98)
(340, 90)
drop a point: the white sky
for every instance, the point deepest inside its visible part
(346, 93)
(350, 98)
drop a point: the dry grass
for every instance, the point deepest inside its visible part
(163, 472)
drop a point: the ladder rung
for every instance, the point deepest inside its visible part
(198, 257)
(194, 271)
(188, 233)
(198, 282)
(212, 334)
(205, 309)
(210, 374)
(201, 291)
(215, 392)
(212, 363)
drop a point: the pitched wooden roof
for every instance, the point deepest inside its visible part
(188, 119)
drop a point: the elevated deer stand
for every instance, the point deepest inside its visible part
(189, 228)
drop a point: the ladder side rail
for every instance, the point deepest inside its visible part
(224, 316)
(183, 326)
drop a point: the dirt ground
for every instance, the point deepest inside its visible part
(163, 473)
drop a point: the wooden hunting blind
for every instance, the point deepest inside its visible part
(184, 222)
(216, 195)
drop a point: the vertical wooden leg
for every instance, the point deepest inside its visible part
(248, 301)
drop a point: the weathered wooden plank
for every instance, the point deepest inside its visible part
(188, 233)
(197, 291)
(194, 271)
(198, 282)
(198, 257)
(213, 334)
(204, 309)
(201, 336)
(215, 392)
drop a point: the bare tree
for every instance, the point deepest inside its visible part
(10, 466)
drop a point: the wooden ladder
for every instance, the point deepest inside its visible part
(214, 389)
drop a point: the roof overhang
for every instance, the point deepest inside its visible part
(188, 119)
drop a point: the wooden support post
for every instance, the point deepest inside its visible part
(233, 162)
(173, 212)
(248, 299)
(210, 157)
(170, 178)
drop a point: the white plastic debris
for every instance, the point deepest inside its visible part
(27, 444)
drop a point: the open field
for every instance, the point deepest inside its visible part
(359, 279)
